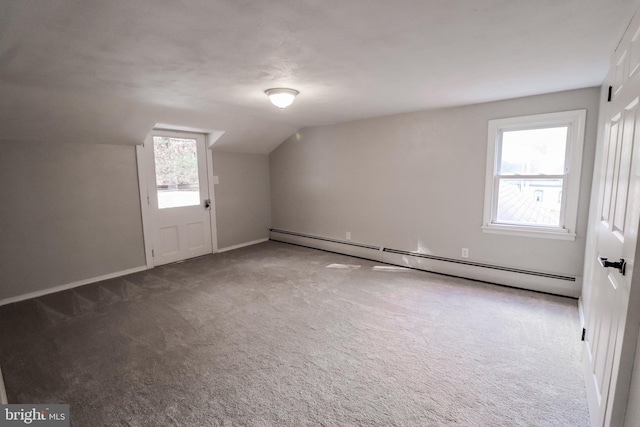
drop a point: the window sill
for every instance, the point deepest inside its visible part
(539, 232)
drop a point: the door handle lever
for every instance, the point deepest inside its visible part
(620, 265)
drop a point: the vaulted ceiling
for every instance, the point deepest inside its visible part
(101, 71)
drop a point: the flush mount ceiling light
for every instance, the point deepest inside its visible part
(281, 97)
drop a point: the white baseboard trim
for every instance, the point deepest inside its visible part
(3, 391)
(70, 285)
(242, 245)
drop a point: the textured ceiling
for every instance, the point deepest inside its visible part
(108, 71)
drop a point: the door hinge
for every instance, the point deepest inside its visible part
(153, 253)
(610, 94)
(148, 200)
(584, 334)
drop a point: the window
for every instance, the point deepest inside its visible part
(177, 180)
(533, 175)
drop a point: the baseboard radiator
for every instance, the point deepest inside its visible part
(377, 252)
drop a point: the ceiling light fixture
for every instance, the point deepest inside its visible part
(281, 97)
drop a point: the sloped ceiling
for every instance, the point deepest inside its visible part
(100, 71)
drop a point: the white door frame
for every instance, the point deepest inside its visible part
(147, 220)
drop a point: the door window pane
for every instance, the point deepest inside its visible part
(530, 202)
(177, 181)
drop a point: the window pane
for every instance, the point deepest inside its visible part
(176, 172)
(530, 202)
(534, 151)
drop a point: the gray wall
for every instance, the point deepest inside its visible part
(416, 182)
(243, 205)
(69, 212)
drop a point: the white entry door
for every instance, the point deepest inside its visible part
(178, 196)
(611, 331)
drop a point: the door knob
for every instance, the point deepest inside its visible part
(620, 265)
(207, 204)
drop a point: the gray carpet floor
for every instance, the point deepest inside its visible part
(280, 335)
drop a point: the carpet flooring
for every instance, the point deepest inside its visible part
(281, 335)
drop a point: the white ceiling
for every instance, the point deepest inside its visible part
(107, 71)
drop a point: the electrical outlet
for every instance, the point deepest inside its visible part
(465, 252)
(348, 235)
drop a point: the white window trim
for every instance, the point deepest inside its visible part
(576, 120)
